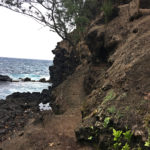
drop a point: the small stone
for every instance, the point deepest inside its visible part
(51, 144)
(58, 143)
(21, 134)
(106, 87)
(135, 30)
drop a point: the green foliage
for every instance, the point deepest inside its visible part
(147, 143)
(107, 8)
(93, 133)
(119, 115)
(126, 147)
(117, 146)
(73, 19)
(111, 109)
(91, 8)
(92, 127)
(117, 135)
(90, 138)
(110, 96)
(121, 137)
(106, 122)
(81, 23)
(78, 16)
(128, 135)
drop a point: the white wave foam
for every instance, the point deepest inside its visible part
(44, 107)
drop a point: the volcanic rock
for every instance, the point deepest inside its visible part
(5, 78)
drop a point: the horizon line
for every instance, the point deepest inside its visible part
(25, 58)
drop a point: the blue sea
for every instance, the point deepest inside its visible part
(21, 68)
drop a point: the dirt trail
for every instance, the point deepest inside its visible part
(55, 132)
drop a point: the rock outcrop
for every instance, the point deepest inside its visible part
(65, 62)
(5, 78)
(17, 109)
(42, 80)
(26, 79)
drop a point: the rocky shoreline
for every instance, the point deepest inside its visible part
(5, 78)
(18, 108)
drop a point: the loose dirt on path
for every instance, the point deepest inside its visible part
(54, 132)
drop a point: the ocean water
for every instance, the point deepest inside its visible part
(21, 68)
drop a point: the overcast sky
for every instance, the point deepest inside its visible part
(23, 37)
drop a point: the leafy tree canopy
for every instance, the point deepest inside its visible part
(61, 16)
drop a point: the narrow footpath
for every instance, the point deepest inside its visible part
(54, 132)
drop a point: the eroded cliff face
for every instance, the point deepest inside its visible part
(116, 79)
(65, 62)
